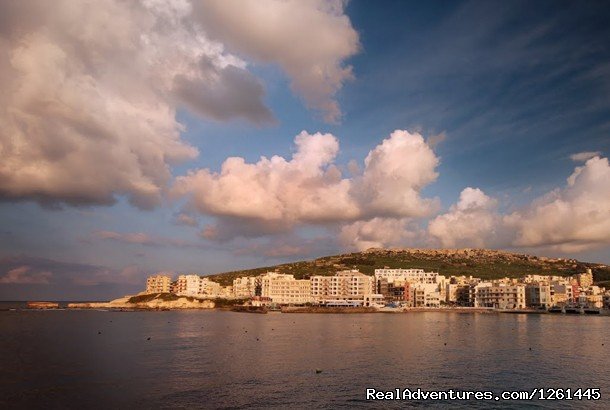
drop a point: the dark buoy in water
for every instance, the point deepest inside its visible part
(148, 338)
(257, 339)
(445, 343)
(318, 371)
(99, 333)
(530, 348)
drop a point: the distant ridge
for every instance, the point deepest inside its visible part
(483, 263)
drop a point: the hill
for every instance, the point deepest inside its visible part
(482, 263)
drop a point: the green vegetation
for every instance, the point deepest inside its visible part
(486, 264)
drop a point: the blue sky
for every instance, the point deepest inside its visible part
(515, 88)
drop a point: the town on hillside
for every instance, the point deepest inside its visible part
(398, 288)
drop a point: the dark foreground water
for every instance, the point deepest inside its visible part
(215, 359)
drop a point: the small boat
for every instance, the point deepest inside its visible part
(592, 311)
(556, 309)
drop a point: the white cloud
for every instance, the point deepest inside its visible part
(394, 173)
(471, 222)
(308, 39)
(379, 233)
(90, 89)
(584, 156)
(275, 195)
(573, 218)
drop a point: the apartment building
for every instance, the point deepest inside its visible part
(585, 279)
(284, 289)
(500, 296)
(346, 285)
(208, 287)
(538, 295)
(246, 287)
(187, 285)
(424, 295)
(563, 292)
(158, 284)
(409, 275)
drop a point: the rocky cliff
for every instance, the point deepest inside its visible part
(149, 301)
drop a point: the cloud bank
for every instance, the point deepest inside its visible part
(39, 278)
(278, 194)
(90, 90)
(308, 39)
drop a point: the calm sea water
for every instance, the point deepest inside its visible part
(216, 359)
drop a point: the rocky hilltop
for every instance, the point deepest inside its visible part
(483, 263)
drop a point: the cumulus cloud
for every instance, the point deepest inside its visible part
(379, 233)
(90, 89)
(394, 173)
(573, 218)
(275, 195)
(308, 39)
(471, 222)
(584, 156)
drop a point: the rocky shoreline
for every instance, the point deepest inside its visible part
(153, 303)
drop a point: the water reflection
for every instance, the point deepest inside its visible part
(224, 359)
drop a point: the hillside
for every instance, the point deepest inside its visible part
(486, 264)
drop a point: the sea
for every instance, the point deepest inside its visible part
(96, 359)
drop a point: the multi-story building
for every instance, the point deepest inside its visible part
(285, 289)
(348, 285)
(197, 286)
(500, 296)
(563, 292)
(158, 284)
(585, 279)
(409, 275)
(209, 288)
(424, 295)
(246, 287)
(458, 294)
(538, 295)
(398, 291)
(187, 285)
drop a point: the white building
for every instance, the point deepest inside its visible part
(245, 287)
(538, 295)
(209, 288)
(500, 296)
(197, 286)
(409, 275)
(284, 289)
(187, 285)
(348, 285)
(158, 284)
(424, 295)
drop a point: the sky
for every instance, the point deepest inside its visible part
(203, 136)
